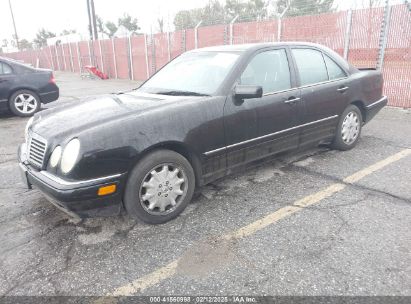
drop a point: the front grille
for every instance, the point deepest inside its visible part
(36, 150)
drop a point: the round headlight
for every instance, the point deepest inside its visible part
(70, 154)
(26, 130)
(55, 157)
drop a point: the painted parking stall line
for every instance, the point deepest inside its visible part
(170, 269)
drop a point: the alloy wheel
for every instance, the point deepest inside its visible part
(25, 103)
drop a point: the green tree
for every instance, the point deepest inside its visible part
(24, 44)
(186, 19)
(305, 7)
(129, 23)
(252, 9)
(42, 36)
(216, 13)
(213, 13)
(111, 28)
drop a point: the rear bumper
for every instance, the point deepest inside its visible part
(50, 96)
(374, 108)
(77, 198)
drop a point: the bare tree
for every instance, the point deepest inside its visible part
(160, 23)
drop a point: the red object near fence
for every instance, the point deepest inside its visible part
(93, 70)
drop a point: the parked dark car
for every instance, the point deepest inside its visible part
(23, 89)
(204, 115)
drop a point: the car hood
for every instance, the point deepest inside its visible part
(78, 116)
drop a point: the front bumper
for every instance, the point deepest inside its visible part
(77, 198)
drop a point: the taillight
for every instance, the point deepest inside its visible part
(52, 79)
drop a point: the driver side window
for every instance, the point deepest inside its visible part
(269, 70)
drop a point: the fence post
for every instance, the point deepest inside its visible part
(89, 52)
(51, 58)
(232, 29)
(101, 55)
(153, 55)
(57, 57)
(146, 54)
(64, 57)
(280, 23)
(71, 57)
(114, 58)
(168, 46)
(384, 35)
(78, 57)
(130, 54)
(183, 41)
(196, 34)
(347, 34)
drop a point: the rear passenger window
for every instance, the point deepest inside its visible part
(311, 66)
(5, 69)
(334, 71)
(269, 70)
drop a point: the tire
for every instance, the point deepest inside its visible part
(349, 129)
(24, 103)
(154, 184)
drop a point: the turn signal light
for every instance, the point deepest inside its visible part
(106, 190)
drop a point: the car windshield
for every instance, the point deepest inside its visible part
(194, 73)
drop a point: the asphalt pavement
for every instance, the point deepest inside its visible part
(316, 222)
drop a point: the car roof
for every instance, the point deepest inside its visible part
(256, 46)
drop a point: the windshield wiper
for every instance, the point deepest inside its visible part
(180, 93)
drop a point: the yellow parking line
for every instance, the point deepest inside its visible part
(169, 270)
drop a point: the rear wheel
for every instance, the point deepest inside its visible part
(24, 103)
(159, 187)
(349, 129)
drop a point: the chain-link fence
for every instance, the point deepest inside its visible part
(374, 38)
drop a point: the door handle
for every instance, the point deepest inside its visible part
(292, 100)
(342, 90)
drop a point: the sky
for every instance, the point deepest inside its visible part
(57, 15)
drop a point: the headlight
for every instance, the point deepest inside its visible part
(26, 130)
(70, 154)
(55, 157)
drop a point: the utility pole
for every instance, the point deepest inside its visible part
(14, 25)
(90, 24)
(93, 18)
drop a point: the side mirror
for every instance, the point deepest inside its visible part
(247, 92)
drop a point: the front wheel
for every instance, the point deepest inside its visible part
(159, 187)
(349, 129)
(24, 103)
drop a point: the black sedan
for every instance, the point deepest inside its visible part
(23, 89)
(204, 115)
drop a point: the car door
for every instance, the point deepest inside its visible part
(323, 91)
(258, 127)
(6, 80)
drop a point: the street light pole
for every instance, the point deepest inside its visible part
(14, 25)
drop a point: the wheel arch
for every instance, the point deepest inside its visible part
(360, 104)
(179, 148)
(14, 90)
